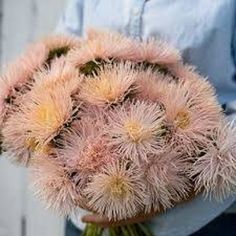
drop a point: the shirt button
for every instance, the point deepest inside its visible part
(136, 11)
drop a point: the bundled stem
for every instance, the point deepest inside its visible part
(139, 229)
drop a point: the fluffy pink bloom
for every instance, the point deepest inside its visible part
(110, 86)
(85, 146)
(195, 82)
(51, 184)
(37, 122)
(45, 114)
(23, 67)
(17, 76)
(104, 45)
(136, 129)
(167, 181)
(58, 41)
(60, 74)
(117, 192)
(158, 52)
(190, 105)
(189, 114)
(214, 171)
(151, 86)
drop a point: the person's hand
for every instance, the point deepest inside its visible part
(105, 223)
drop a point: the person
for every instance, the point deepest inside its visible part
(204, 32)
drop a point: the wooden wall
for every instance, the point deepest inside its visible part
(22, 21)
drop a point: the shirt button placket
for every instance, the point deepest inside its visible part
(135, 25)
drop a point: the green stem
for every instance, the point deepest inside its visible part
(112, 232)
(100, 231)
(127, 230)
(145, 229)
(132, 230)
(95, 230)
(124, 231)
(85, 230)
(90, 230)
(118, 230)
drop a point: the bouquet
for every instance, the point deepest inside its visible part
(114, 125)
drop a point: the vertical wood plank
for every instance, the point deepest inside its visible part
(44, 15)
(13, 38)
(22, 22)
(15, 34)
(48, 14)
(1, 15)
(11, 198)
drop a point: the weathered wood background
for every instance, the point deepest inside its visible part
(22, 21)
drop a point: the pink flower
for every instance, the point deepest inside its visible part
(17, 76)
(167, 181)
(104, 45)
(158, 52)
(190, 114)
(45, 114)
(19, 71)
(214, 171)
(136, 129)
(151, 86)
(85, 147)
(58, 41)
(110, 86)
(37, 122)
(60, 74)
(117, 192)
(190, 104)
(51, 184)
(195, 82)
(20, 146)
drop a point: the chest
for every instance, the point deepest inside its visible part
(181, 22)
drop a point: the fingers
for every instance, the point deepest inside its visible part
(105, 222)
(93, 218)
(102, 221)
(96, 219)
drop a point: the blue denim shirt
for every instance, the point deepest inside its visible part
(204, 31)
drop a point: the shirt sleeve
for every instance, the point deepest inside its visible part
(187, 218)
(71, 21)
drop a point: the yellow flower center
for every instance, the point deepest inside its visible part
(134, 130)
(182, 119)
(107, 91)
(31, 144)
(104, 89)
(34, 146)
(118, 187)
(47, 116)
